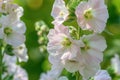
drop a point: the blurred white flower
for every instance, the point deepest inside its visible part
(63, 48)
(21, 52)
(92, 15)
(20, 74)
(12, 31)
(50, 75)
(115, 62)
(102, 75)
(10, 62)
(59, 11)
(91, 54)
(14, 11)
(10, 9)
(13, 68)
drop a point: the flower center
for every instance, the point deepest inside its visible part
(20, 47)
(88, 14)
(61, 13)
(66, 42)
(8, 31)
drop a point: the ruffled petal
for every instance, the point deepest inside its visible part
(15, 39)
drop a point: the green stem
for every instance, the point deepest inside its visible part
(78, 76)
(1, 62)
(2, 49)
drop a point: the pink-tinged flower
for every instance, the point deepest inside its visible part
(92, 15)
(63, 48)
(60, 41)
(91, 54)
(102, 75)
(59, 11)
(115, 62)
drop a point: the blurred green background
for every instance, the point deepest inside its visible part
(36, 39)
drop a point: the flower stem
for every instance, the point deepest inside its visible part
(1, 62)
(2, 49)
(78, 76)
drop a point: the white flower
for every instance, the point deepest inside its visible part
(63, 48)
(59, 11)
(55, 61)
(91, 54)
(14, 11)
(13, 69)
(12, 31)
(92, 15)
(102, 75)
(50, 75)
(60, 42)
(20, 74)
(115, 62)
(55, 71)
(21, 52)
(10, 63)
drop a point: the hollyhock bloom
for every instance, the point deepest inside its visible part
(102, 75)
(21, 52)
(115, 62)
(60, 42)
(4, 5)
(55, 61)
(13, 10)
(13, 69)
(91, 54)
(12, 31)
(20, 74)
(50, 75)
(10, 63)
(92, 15)
(59, 11)
(63, 48)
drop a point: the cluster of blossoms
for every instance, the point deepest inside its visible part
(14, 71)
(12, 36)
(84, 53)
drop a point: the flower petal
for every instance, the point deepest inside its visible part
(15, 39)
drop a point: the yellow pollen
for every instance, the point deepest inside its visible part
(66, 42)
(61, 13)
(88, 14)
